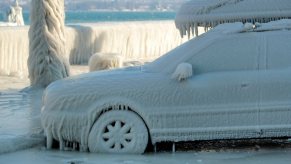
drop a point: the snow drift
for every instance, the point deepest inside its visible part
(136, 41)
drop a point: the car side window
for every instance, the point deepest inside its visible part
(235, 53)
(278, 51)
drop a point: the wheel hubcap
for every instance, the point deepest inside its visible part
(117, 135)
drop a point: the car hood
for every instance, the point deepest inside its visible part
(101, 84)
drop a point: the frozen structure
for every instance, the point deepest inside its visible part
(102, 61)
(209, 13)
(234, 93)
(136, 41)
(14, 14)
(47, 54)
(7, 24)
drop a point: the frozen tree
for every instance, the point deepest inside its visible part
(46, 61)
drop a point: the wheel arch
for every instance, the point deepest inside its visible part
(118, 103)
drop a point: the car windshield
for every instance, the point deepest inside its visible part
(168, 62)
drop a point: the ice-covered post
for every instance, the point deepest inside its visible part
(46, 61)
(18, 14)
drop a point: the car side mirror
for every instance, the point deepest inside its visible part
(182, 72)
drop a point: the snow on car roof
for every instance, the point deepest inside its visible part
(274, 25)
(168, 62)
(238, 27)
(209, 13)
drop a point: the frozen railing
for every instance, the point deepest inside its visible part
(133, 40)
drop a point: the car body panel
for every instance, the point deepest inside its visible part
(222, 99)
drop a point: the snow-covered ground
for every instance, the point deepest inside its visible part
(42, 156)
(20, 126)
(19, 120)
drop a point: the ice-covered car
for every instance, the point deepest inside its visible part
(232, 82)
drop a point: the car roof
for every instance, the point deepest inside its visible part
(238, 27)
(169, 61)
(210, 13)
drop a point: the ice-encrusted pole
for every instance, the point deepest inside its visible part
(46, 61)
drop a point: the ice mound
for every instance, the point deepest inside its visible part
(102, 61)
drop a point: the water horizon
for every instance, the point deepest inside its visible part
(108, 16)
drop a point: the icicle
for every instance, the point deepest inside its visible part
(74, 146)
(49, 138)
(155, 148)
(188, 30)
(196, 29)
(173, 147)
(60, 138)
(66, 144)
(192, 29)
(181, 32)
(184, 29)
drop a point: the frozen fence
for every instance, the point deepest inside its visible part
(134, 40)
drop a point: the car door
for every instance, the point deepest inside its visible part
(275, 80)
(225, 89)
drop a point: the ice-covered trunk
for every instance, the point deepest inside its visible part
(46, 61)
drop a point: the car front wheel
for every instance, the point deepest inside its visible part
(118, 132)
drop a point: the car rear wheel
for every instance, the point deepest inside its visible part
(118, 132)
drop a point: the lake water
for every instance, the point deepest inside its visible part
(90, 17)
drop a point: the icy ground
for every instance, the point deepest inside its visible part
(20, 126)
(19, 120)
(41, 156)
(21, 139)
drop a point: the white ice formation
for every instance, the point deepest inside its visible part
(14, 15)
(183, 71)
(46, 61)
(7, 24)
(237, 92)
(209, 13)
(102, 61)
(136, 41)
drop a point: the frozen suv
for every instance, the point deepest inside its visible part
(232, 82)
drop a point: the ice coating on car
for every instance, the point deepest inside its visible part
(183, 71)
(239, 88)
(210, 13)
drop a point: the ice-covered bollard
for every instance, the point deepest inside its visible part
(101, 61)
(14, 14)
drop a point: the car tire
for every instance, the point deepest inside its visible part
(118, 132)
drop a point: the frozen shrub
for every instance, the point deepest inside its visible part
(101, 61)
